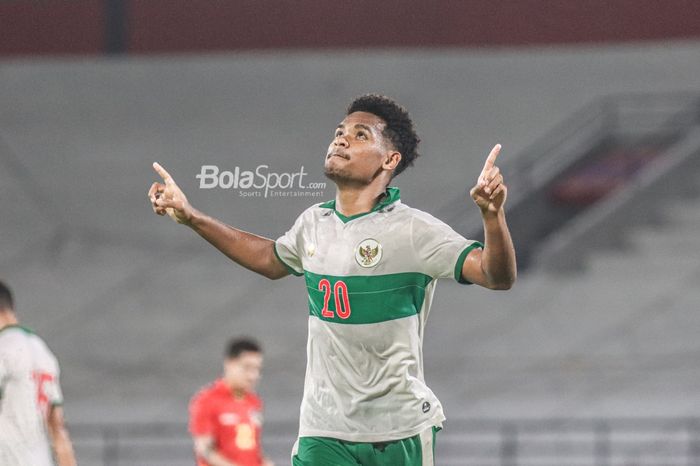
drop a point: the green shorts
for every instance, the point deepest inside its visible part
(418, 450)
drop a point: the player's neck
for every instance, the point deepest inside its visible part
(238, 393)
(235, 390)
(351, 201)
(7, 319)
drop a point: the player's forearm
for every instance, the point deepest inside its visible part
(60, 440)
(253, 252)
(63, 448)
(498, 258)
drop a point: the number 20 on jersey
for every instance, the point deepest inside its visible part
(340, 295)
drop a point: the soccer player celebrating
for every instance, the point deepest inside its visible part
(30, 396)
(370, 264)
(225, 417)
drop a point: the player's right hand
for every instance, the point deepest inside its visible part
(168, 198)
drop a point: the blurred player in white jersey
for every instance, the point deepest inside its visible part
(32, 430)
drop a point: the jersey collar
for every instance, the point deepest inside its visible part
(221, 387)
(390, 196)
(17, 326)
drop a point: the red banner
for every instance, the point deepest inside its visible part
(51, 27)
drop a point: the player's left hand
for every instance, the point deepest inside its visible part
(490, 193)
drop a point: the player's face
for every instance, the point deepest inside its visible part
(358, 151)
(243, 372)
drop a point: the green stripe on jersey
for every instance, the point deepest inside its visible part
(370, 298)
(460, 262)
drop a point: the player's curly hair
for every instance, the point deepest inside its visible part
(399, 127)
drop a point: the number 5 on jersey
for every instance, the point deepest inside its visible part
(342, 301)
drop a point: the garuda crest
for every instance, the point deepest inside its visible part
(368, 253)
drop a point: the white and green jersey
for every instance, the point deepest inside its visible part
(24, 361)
(370, 280)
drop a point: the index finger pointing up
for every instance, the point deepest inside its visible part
(162, 172)
(491, 159)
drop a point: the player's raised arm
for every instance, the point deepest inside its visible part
(494, 267)
(253, 252)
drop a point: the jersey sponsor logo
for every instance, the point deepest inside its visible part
(228, 419)
(245, 437)
(426, 406)
(310, 249)
(368, 253)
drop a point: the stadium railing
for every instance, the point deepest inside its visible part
(467, 442)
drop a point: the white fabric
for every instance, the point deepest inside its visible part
(23, 439)
(364, 381)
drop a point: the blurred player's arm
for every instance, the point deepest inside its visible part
(253, 252)
(204, 448)
(495, 266)
(60, 440)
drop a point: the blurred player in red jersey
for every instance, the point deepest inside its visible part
(226, 416)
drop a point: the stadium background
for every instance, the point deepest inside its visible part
(599, 337)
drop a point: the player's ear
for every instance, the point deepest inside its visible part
(392, 160)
